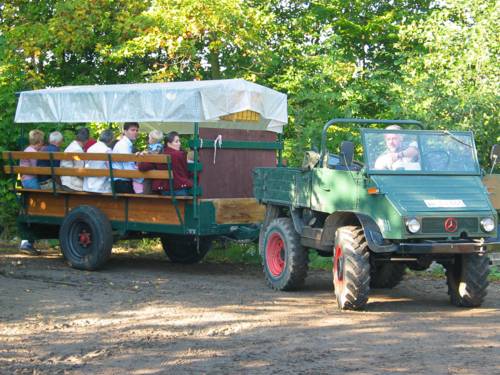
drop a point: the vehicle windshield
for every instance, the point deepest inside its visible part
(420, 151)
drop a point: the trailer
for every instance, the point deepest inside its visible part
(233, 126)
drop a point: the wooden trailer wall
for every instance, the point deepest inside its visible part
(231, 174)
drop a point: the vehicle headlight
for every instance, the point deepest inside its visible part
(488, 224)
(413, 225)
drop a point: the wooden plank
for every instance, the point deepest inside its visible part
(492, 183)
(64, 192)
(237, 210)
(140, 208)
(77, 156)
(154, 212)
(114, 209)
(87, 172)
(45, 205)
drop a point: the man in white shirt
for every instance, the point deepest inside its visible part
(125, 146)
(99, 184)
(75, 183)
(399, 155)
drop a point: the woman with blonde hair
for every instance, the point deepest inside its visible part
(31, 181)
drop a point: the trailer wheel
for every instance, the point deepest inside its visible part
(351, 268)
(386, 275)
(284, 259)
(184, 249)
(467, 279)
(86, 238)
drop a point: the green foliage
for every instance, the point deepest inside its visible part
(451, 74)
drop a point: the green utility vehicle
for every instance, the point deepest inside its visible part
(416, 198)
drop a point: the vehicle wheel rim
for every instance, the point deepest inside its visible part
(338, 268)
(80, 239)
(84, 238)
(275, 254)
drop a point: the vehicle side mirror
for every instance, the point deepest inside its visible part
(495, 153)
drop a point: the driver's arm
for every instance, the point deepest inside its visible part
(410, 153)
(382, 162)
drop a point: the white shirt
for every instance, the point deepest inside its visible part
(123, 146)
(97, 184)
(73, 182)
(385, 162)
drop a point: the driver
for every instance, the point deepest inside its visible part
(399, 155)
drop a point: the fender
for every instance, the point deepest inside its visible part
(374, 237)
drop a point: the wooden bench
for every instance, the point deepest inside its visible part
(129, 208)
(11, 166)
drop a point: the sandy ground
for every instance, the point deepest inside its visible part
(144, 315)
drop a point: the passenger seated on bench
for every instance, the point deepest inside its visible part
(99, 184)
(182, 177)
(125, 146)
(31, 181)
(155, 146)
(75, 183)
(46, 182)
(36, 143)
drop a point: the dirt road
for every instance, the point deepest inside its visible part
(148, 316)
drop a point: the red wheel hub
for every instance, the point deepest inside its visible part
(338, 267)
(84, 238)
(275, 254)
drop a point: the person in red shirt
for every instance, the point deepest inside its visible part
(90, 142)
(183, 179)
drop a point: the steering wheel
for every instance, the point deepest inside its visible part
(436, 160)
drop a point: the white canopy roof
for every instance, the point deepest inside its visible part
(181, 103)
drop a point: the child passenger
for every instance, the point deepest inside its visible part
(155, 146)
(155, 141)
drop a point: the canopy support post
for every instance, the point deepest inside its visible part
(195, 177)
(280, 151)
(51, 156)
(172, 192)
(11, 163)
(112, 180)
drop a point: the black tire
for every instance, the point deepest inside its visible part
(284, 259)
(467, 279)
(351, 268)
(184, 249)
(386, 275)
(86, 238)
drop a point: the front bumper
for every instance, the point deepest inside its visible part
(455, 247)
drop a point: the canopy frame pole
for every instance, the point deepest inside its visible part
(172, 191)
(280, 150)
(111, 179)
(53, 175)
(21, 139)
(11, 164)
(196, 137)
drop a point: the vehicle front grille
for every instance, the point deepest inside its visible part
(437, 225)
